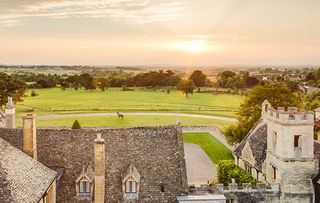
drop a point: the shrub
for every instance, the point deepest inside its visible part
(33, 94)
(76, 125)
(228, 170)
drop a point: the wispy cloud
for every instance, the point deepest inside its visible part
(131, 11)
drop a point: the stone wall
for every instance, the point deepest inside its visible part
(157, 153)
(246, 193)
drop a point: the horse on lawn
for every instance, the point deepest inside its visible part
(120, 115)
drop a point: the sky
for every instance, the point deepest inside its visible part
(160, 32)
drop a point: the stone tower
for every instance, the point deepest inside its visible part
(290, 152)
(99, 169)
(10, 113)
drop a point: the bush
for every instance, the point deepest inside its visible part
(76, 125)
(33, 94)
(228, 170)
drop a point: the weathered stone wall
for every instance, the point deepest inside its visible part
(246, 193)
(157, 152)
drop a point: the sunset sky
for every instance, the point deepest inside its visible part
(152, 32)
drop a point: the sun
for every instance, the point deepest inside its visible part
(195, 46)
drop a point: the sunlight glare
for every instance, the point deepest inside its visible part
(195, 46)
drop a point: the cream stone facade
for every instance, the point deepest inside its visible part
(283, 144)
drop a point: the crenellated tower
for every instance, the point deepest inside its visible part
(290, 152)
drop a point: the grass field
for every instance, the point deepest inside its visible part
(113, 121)
(213, 148)
(57, 101)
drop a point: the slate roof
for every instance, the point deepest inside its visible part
(22, 178)
(316, 150)
(133, 172)
(88, 171)
(257, 139)
(2, 115)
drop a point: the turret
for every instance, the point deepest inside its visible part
(290, 151)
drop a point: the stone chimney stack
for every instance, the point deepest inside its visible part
(30, 135)
(10, 113)
(99, 169)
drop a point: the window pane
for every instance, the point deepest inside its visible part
(127, 186)
(81, 187)
(134, 187)
(130, 184)
(87, 187)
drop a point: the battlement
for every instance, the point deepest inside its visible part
(234, 187)
(290, 116)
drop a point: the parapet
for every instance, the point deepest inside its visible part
(234, 187)
(290, 116)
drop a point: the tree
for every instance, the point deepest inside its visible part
(279, 95)
(293, 85)
(228, 170)
(12, 87)
(90, 84)
(186, 86)
(76, 125)
(224, 78)
(251, 81)
(103, 84)
(198, 78)
(312, 101)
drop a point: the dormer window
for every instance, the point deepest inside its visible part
(84, 183)
(131, 186)
(131, 183)
(85, 186)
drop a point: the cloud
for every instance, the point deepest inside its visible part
(131, 11)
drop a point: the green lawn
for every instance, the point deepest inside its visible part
(57, 101)
(213, 148)
(113, 121)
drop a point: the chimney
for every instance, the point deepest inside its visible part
(10, 113)
(99, 169)
(30, 135)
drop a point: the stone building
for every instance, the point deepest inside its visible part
(141, 164)
(280, 150)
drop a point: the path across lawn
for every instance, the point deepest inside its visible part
(136, 114)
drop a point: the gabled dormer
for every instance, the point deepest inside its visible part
(131, 183)
(84, 183)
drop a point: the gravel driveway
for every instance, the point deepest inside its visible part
(200, 168)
